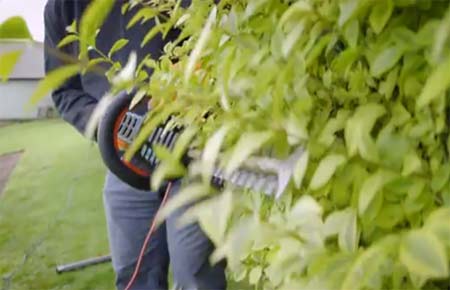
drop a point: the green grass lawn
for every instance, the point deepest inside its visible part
(51, 211)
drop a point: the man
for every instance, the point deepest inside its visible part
(129, 212)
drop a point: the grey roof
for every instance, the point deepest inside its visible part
(31, 63)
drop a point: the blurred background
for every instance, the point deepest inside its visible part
(51, 209)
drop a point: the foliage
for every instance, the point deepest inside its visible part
(363, 85)
(8, 61)
(12, 28)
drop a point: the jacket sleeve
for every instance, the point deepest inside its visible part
(73, 104)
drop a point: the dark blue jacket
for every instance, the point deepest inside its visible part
(76, 99)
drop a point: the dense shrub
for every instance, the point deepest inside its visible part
(363, 86)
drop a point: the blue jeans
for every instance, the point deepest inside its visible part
(129, 213)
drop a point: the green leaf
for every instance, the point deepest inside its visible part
(212, 215)
(165, 171)
(368, 270)
(143, 15)
(424, 254)
(237, 244)
(342, 63)
(440, 178)
(157, 117)
(138, 97)
(92, 20)
(437, 83)
(72, 28)
(348, 234)
(292, 38)
(358, 128)
(125, 7)
(52, 81)
(392, 148)
(184, 141)
(255, 275)
(118, 45)
(152, 33)
(411, 164)
(326, 169)
(248, 144)
(300, 169)
(253, 7)
(184, 197)
(317, 50)
(348, 9)
(371, 187)
(211, 151)
(351, 33)
(296, 11)
(203, 38)
(335, 221)
(389, 216)
(438, 223)
(380, 14)
(386, 60)
(7, 63)
(67, 40)
(306, 207)
(328, 134)
(14, 28)
(388, 85)
(441, 36)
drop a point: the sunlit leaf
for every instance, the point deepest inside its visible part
(255, 275)
(372, 187)
(380, 14)
(424, 254)
(52, 81)
(91, 21)
(385, 60)
(201, 43)
(357, 131)
(300, 169)
(347, 8)
(211, 151)
(348, 234)
(118, 45)
(8, 61)
(14, 28)
(68, 40)
(325, 170)
(143, 15)
(368, 270)
(248, 144)
(184, 197)
(437, 84)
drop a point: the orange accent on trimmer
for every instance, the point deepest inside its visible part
(120, 145)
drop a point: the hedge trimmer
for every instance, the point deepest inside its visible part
(120, 126)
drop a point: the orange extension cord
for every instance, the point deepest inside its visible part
(147, 240)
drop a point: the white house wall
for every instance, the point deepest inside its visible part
(14, 97)
(15, 93)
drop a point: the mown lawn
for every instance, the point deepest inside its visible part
(51, 211)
